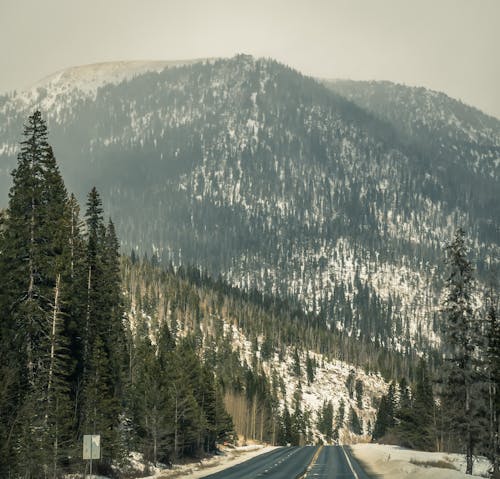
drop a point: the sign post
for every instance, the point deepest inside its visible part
(91, 448)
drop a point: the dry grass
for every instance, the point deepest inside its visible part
(364, 465)
(442, 464)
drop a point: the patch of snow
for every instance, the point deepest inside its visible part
(393, 462)
(88, 78)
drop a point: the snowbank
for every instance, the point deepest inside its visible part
(396, 462)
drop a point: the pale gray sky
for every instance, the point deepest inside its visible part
(448, 45)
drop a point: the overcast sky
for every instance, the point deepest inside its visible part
(447, 45)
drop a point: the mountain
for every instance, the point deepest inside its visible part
(443, 129)
(267, 355)
(340, 195)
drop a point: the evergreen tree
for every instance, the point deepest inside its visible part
(150, 402)
(103, 339)
(350, 382)
(296, 367)
(359, 393)
(382, 420)
(310, 369)
(415, 413)
(339, 420)
(391, 404)
(325, 420)
(285, 434)
(461, 388)
(354, 422)
(33, 264)
(493, 371)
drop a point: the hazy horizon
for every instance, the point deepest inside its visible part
(449, 46)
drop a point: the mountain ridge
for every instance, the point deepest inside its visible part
(130, 68)
(252, 170)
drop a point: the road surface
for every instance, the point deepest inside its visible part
(308, 462)
(336, 462)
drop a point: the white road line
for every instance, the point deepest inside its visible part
(349, 462)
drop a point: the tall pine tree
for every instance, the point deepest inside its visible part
(33, 264)
(461, 394)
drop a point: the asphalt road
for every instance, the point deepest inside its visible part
(336, 462)
(308, 462)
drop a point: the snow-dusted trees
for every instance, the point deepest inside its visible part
(462, 395)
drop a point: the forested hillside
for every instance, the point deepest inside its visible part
(68, 363)
(249, 169)
(161, 362)
(324, 222)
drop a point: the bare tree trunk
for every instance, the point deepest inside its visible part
(436, 436)
(273, 442)
(496, 434)
(31, 288)
(176, 439)
(155, 437)
(72, 240)
(261, 424)
(469, 447)
(87, 319)
(56, 447)
(492, 417)
(55, 316)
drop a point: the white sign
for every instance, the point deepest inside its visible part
(91, 446)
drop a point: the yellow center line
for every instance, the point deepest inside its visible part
(311, 464)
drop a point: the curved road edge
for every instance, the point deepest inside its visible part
(362, 471)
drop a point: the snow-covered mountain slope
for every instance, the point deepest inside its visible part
(329, 384)
(83, 81)
(254, 171)
(91, 77)
(422, 116)
(285, 367)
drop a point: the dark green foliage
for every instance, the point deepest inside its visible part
(59, 336)
(359, 393)
(63, 347)
(103, 335)
(355, 424)
(34, 255)
(385, 414)
(310, 369)
(383, 420)
(176, 403)
(350, 382)
(339, 419)
(463, 392)
(285, 433)
(415, 412)
(391, 404)
(493, 377)
(296, 367)
(325, 420)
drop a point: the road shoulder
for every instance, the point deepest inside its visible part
(198, 470)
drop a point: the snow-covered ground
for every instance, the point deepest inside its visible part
(229, 457)
(393, 462)
(329, 385)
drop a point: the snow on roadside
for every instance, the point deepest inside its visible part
(200, 469)
(393, 462)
